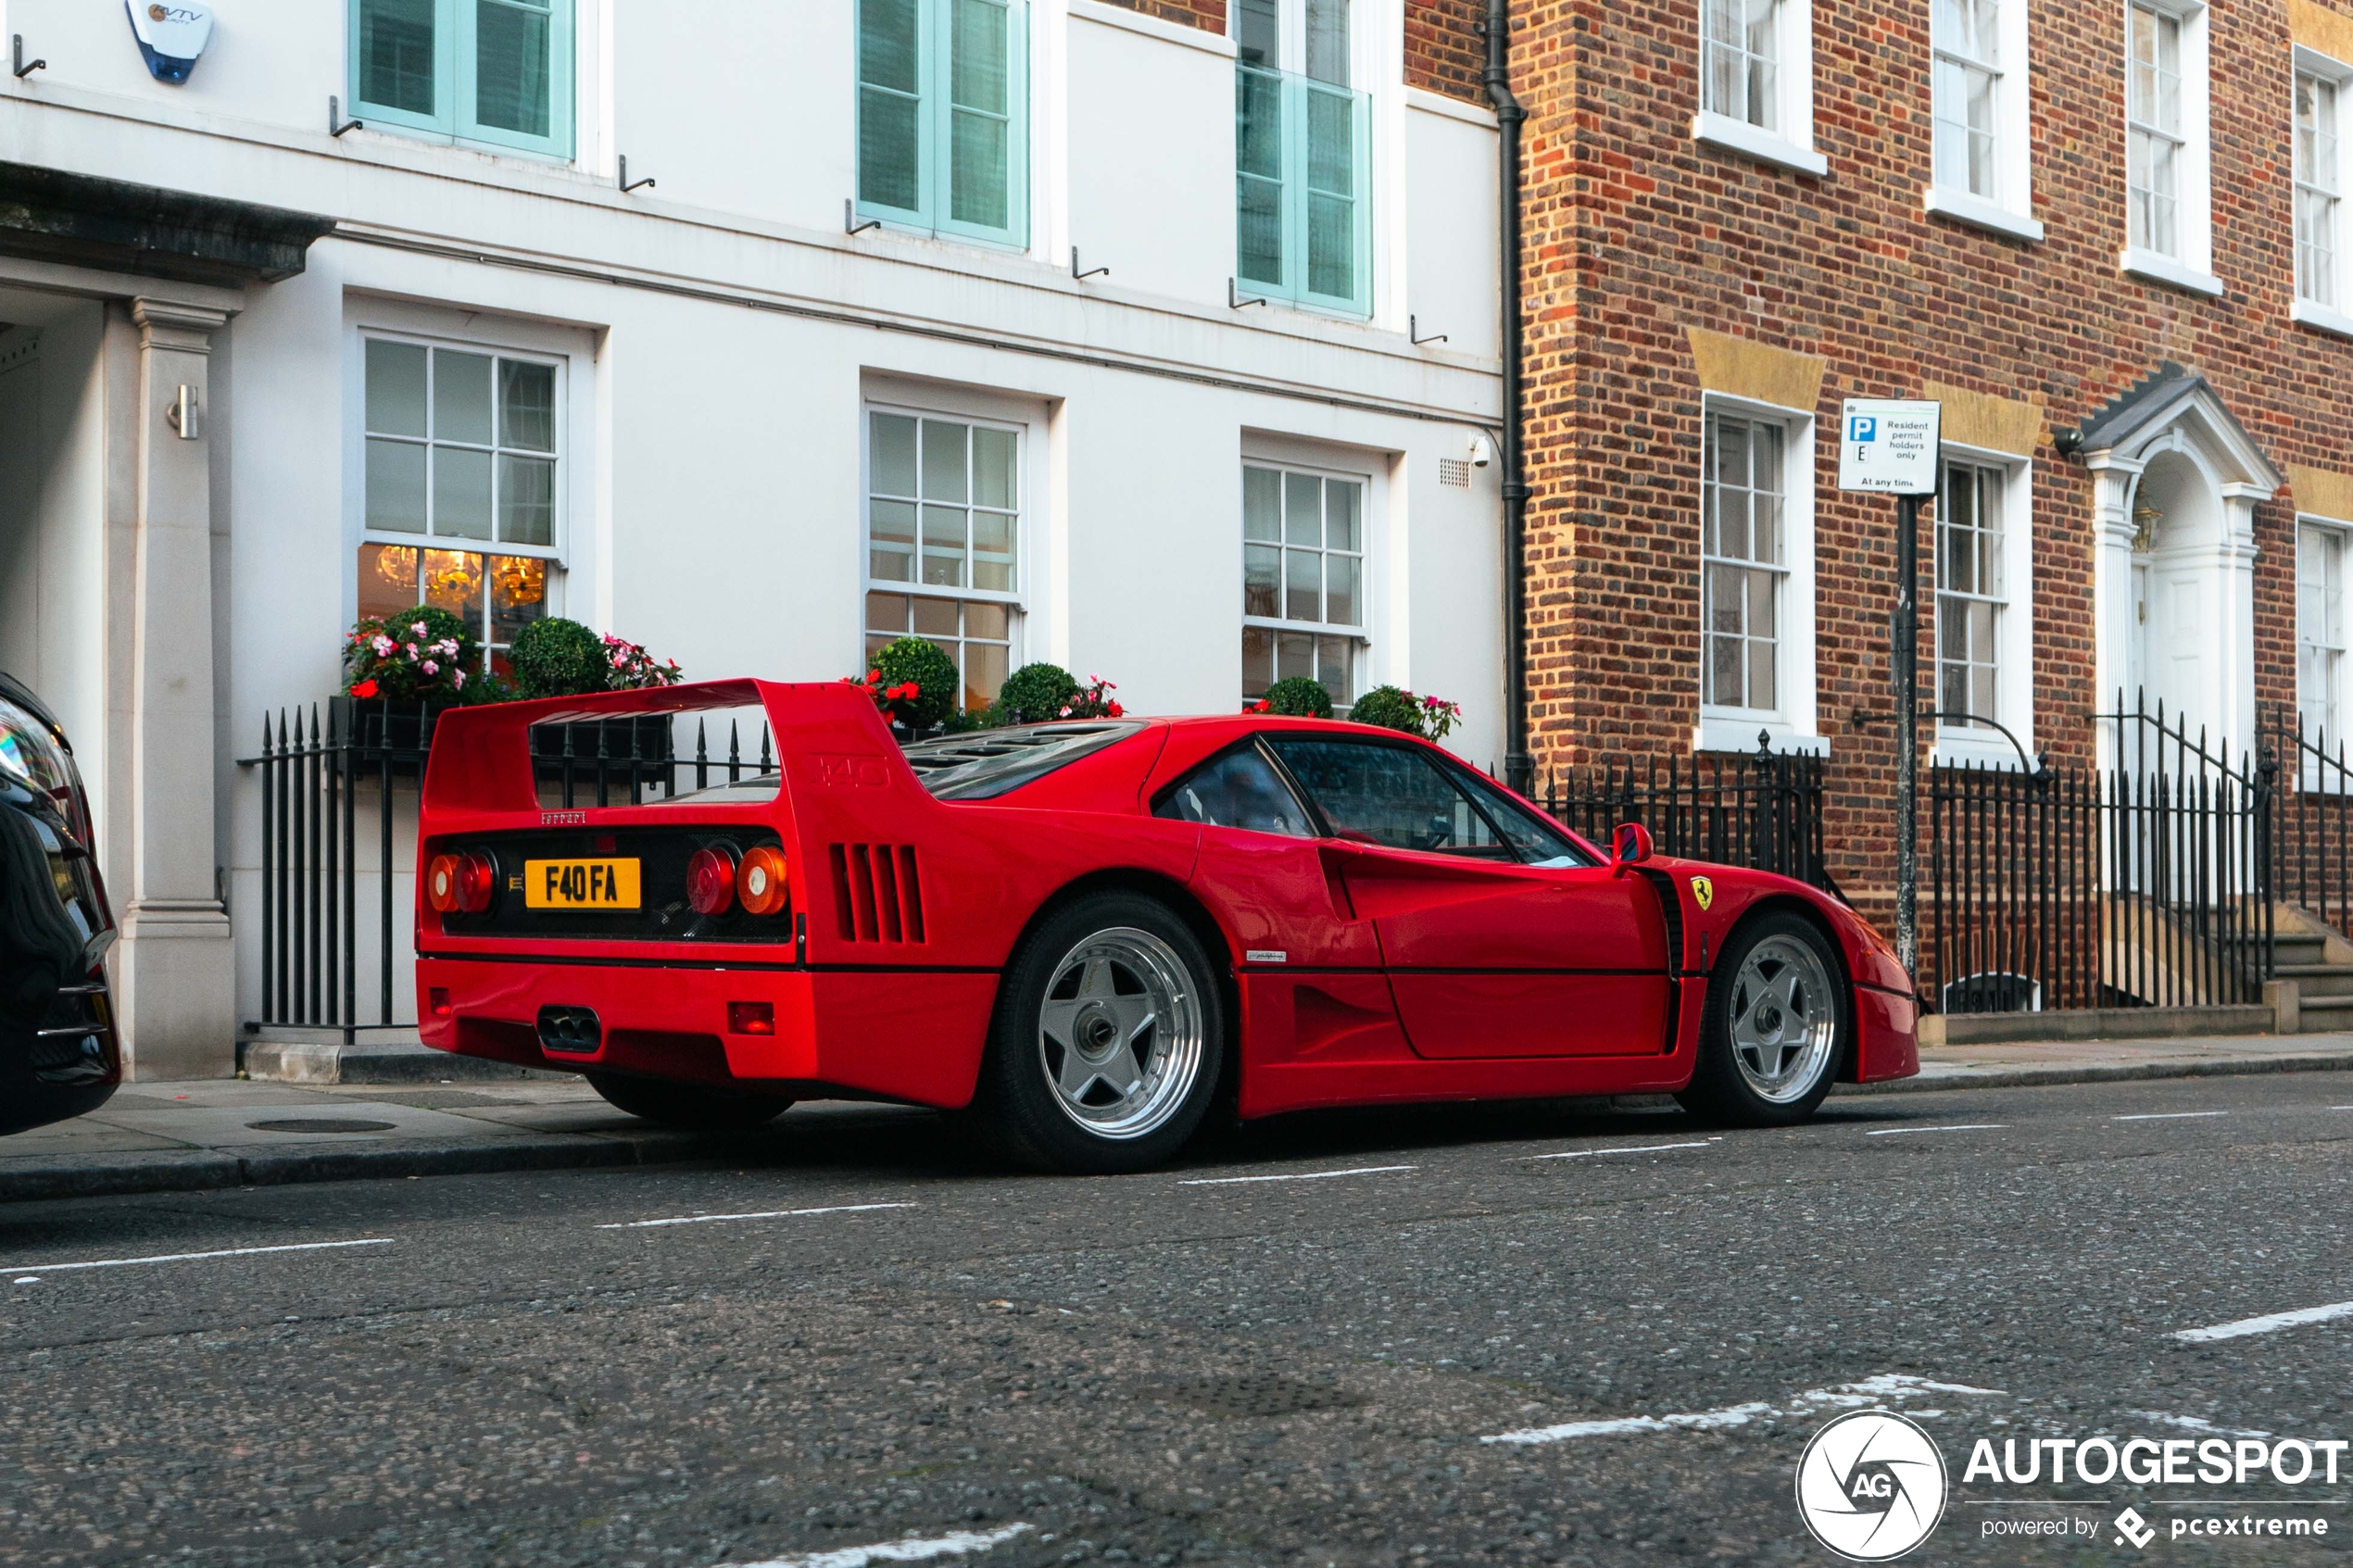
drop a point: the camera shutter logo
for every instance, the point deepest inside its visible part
(1871, 1486)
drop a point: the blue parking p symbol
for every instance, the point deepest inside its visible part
(1863, 427)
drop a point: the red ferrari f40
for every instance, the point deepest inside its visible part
(1092, 935)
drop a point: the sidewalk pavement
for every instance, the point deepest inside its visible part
(217, 1132)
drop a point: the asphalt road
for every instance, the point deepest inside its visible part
(1288, 1352)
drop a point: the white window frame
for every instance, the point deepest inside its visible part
(2336, 317)
(1359, 635)
(2013, 626)
(2190, 266)
(1015, 599)
(555, 552)
(2010, 209)
(1788, 143)
(1793, 726)
(2340, 535)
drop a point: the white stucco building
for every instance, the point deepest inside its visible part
(700, 412)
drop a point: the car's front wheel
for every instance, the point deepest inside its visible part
(1774, 1028)
(1108, 1040)
(693, 1107)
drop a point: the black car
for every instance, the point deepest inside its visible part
(59, 1055)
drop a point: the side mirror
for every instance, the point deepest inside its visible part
(1629, 845)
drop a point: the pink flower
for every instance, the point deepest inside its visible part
(459, 677)
(382, 645)
(418, 627)
(430, 668)
(413, 651)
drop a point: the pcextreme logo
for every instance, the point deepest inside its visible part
(1871, 1486)
(1703, 892)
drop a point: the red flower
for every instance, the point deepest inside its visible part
(1258, 706)
(1114, 710)
(364, 690)
(906, 693)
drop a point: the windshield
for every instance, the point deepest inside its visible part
(987, 763)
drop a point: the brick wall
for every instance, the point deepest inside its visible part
(1635, 232)
(1208, 15)
(1443, 50)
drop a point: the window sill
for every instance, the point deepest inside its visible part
(2306, 314)
(2155, 268)
(1971, 748)
(1979, 213)
(1750, 141)
(1737, 732)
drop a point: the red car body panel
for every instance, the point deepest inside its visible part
(1362, 975)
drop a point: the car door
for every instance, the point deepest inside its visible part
(1499, 936)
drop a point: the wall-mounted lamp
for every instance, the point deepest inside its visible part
(1482, 451)
(182, 414)
(2068, 439)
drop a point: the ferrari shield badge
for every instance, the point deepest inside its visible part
(1702, 891)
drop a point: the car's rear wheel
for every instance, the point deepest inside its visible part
(1108, 1040)
(1774, 1028)
(692, 1106)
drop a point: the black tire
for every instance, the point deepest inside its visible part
(1149, 963)
(696, 1108)
(1744, 1028)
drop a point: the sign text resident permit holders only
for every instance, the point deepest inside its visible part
(1889, 447)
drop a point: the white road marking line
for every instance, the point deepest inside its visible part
(908, 1550)
(1958, 1127)
(40, 1269)
(2169, 1116)
(2268, 1323)
(2195, 1424)
(763, 1214)
(1303, 1176)
(1870, 1391)
(1638, 1148)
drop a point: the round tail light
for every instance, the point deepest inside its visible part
(710, 881)
(760, 881)
(441, 885)
(477, 879)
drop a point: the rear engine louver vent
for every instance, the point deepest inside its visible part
(878, 893)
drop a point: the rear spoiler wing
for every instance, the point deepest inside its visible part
(481, 760)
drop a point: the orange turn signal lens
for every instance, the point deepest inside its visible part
(441, 885)
(760, 881)
(710, 881)
(752, 1018)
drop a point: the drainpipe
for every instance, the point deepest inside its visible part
(1520, 766)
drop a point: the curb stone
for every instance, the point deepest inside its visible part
(109, 1175)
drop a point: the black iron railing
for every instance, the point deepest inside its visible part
(2313, 818)
(339, 792)
(1741, 808)
(2143, 884)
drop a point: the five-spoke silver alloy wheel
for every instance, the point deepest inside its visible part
(1120, 1035)
(1783, 1018)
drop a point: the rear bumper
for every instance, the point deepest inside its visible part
(1887, 1035)
(911, 1035)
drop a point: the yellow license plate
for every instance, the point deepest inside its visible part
(580, 885)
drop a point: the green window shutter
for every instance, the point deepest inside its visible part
(891, 108)
(1303, 209)
(514, 73)
(401, 60)
(943, 116)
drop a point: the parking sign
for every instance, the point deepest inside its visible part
(1888, 446)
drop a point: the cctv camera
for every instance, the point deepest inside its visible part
(1482, 451)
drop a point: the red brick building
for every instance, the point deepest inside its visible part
(2108, 238)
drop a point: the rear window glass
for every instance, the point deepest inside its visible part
(1238, 790)
(987, 763)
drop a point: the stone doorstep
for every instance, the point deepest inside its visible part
(377, 1061)
(2102, 1023)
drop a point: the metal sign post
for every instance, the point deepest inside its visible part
(1890, 448)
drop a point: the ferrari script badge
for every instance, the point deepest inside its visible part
(1703, 892)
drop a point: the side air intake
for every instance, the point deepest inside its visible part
(878, 892)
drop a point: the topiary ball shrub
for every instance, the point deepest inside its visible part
(1036, 693)
(933, 673)
(558, 658)
(1299, 696)
(1389, 709)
